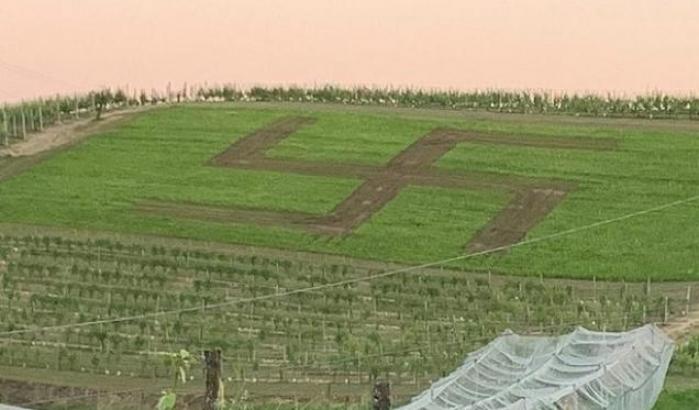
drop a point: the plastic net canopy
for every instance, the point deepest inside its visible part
(583, 370)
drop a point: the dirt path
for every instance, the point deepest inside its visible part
(682, 327)
(524, 212)
(64, 134)
(532, 199)
(253, 146)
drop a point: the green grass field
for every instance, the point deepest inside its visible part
(161, 155)
(684, 400)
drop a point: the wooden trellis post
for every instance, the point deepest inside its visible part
(32, 120)
(594, 285)
(41, 117)
(212, 362)
(644, 314)
(667, 310)
(24, 123)
(5, 128)
(382, 396)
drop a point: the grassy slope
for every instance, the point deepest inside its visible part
(680, 393)
(161, 154)
(678, 400)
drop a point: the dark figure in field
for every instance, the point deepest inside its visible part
(382, 396)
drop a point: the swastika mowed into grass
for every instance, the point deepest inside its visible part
(155, 174)
(532, 199)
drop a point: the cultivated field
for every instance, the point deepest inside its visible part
(329, 341)
(398, 185)
(199, 223)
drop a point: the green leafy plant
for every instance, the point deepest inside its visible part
(180, 364)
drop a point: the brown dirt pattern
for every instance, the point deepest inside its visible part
(682, 327)
(524, 212)
(532, 199)
(14, 391)
(254, 146)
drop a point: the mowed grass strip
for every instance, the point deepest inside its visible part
(161, 155)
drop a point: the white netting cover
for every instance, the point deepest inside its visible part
(583, 370)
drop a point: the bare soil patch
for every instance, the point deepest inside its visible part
(14, 391)
(525, 211)
(682, 327)
(532, 199)
(254, 145)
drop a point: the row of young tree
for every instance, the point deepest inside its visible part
(411, 326)
(655, 105)
(17, 120)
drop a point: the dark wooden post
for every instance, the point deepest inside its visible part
(689, 299)
(5, 128)
(382, 396)
(212, 361)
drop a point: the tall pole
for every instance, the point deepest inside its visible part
(212, 361)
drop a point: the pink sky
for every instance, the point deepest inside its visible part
(626, 46)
